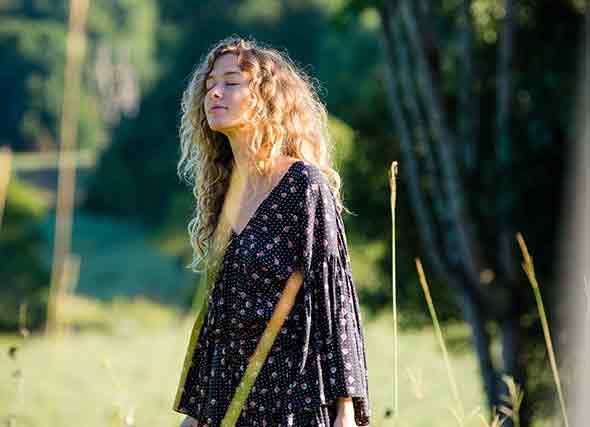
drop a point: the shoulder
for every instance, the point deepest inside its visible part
(313, 185)
(311, 177)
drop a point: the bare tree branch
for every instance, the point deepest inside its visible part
(463, 255)
(410, 168)
(426, 21)
(410, 99)
(468, 113)
(503, 143)
(471, 307)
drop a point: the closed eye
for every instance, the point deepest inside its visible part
(229, 84)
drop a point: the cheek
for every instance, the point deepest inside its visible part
(244, 101)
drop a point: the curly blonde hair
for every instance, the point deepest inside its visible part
(289, 119)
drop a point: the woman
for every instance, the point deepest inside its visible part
(255, 145)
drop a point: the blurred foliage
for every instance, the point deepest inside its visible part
(24, 276)
(154, 45)
(117, 260)
(136, 176)
(32, 60)
(339, 44)
(336, 41)
(121, 315)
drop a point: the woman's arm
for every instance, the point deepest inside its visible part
(189, 422)
(344, 405)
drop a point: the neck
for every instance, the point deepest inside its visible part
(243, 170)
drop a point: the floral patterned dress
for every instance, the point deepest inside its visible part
(319, 353)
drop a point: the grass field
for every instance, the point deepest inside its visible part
(121, 363)
(129, 368)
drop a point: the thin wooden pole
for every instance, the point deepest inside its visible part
(76, 46)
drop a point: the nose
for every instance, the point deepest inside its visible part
(214, 92)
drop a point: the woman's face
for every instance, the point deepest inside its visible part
(228, 95)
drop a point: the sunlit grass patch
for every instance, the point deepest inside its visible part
(130, 366)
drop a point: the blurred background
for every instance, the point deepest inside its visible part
(477, 101)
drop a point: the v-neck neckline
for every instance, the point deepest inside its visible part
(283, 178)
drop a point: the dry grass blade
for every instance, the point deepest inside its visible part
(474, 413)
(393, 188)
(529, 269)
(122, 412)
(459, 417)
(514, 398)
(451, 376)
(587, 293)
(496, 422)
(256, 362)
(417, 382)
(208, 280)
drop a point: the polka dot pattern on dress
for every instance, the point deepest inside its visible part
(319, 353)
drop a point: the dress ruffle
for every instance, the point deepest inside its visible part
(332, 308)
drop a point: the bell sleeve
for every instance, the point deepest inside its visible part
(334, 328)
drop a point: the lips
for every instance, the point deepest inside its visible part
(217, 107)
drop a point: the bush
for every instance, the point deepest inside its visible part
(23, 275)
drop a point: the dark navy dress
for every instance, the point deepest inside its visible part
(319, 353)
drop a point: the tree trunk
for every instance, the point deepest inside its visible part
(453, 253)
(476, 318)
(512, 348)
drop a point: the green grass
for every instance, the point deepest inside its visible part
(67, 382)
(125, 355)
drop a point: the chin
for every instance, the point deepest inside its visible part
(220, 126)
(216, 126)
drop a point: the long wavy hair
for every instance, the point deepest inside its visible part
(289, 119)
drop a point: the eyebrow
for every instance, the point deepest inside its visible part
(210, 76)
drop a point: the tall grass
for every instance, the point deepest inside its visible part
(529, 269)
(68, 380)
(123, 411)
(516, 394)
(256, 362)
(458, 411)
(392, 175)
